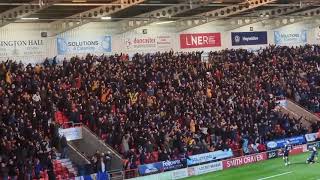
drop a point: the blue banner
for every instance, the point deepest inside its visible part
(84, 46)
(249, 38)
(150, 168)
(290, 37)
(276, 144)
(174, 164)
(207, 157)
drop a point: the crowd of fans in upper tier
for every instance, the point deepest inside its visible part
(156, 107)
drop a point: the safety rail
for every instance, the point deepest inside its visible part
(105, 144)
(131, 173)
(116, 175)
(306, 109)
(79, 153)
(66, 125)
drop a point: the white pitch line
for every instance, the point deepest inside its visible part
(276, 175)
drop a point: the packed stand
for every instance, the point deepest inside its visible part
(168, 105)
(29, 142)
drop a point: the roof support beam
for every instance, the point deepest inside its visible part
(214, 15)
(167, 12)
(261, 16)
(24, 11)
(87, 16)
(295, 18)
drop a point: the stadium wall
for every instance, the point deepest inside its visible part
(23, 41)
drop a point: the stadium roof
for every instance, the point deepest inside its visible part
(63, 15)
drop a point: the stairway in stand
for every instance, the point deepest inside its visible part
(64, 169)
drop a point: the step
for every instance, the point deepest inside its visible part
(66, 163)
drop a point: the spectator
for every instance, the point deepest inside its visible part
(160, 102)
(63, 146)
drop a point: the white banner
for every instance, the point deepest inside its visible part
(141, 42)
(25, 48)
(180, 173)
(311, 137)
(206, 168)
(71, 133)
(211, 156)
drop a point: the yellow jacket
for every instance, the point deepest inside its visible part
(8, 77)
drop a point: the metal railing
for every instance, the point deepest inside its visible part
(105, 144)
(66, 125)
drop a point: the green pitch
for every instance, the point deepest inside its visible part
(271, 169)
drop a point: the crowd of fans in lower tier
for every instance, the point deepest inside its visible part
(160, 106)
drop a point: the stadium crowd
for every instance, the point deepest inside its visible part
(158, 106)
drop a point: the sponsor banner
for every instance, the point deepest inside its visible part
(174, 164)
(311, 145)
(207, 157)
(200, 40)
(148, 42)
(164, 176)
(28, 47)
(150, 168)
(235, 162)
(191, 171)
(71, 133)
(311, 137)
(272, 154)
(180, 173)
(282, 103)
(100, 44)
(206, 168)
(249, 38)
(296, 150)
(290, 37)
(153, 176)
(276, 144)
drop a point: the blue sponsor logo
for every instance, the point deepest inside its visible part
(272, 144)
(281, 142)
(249, 38)
(150, 168)
(174, 164)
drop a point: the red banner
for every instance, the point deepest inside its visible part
(200, 40)
(235, 162)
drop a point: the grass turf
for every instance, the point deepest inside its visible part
(298, 170)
